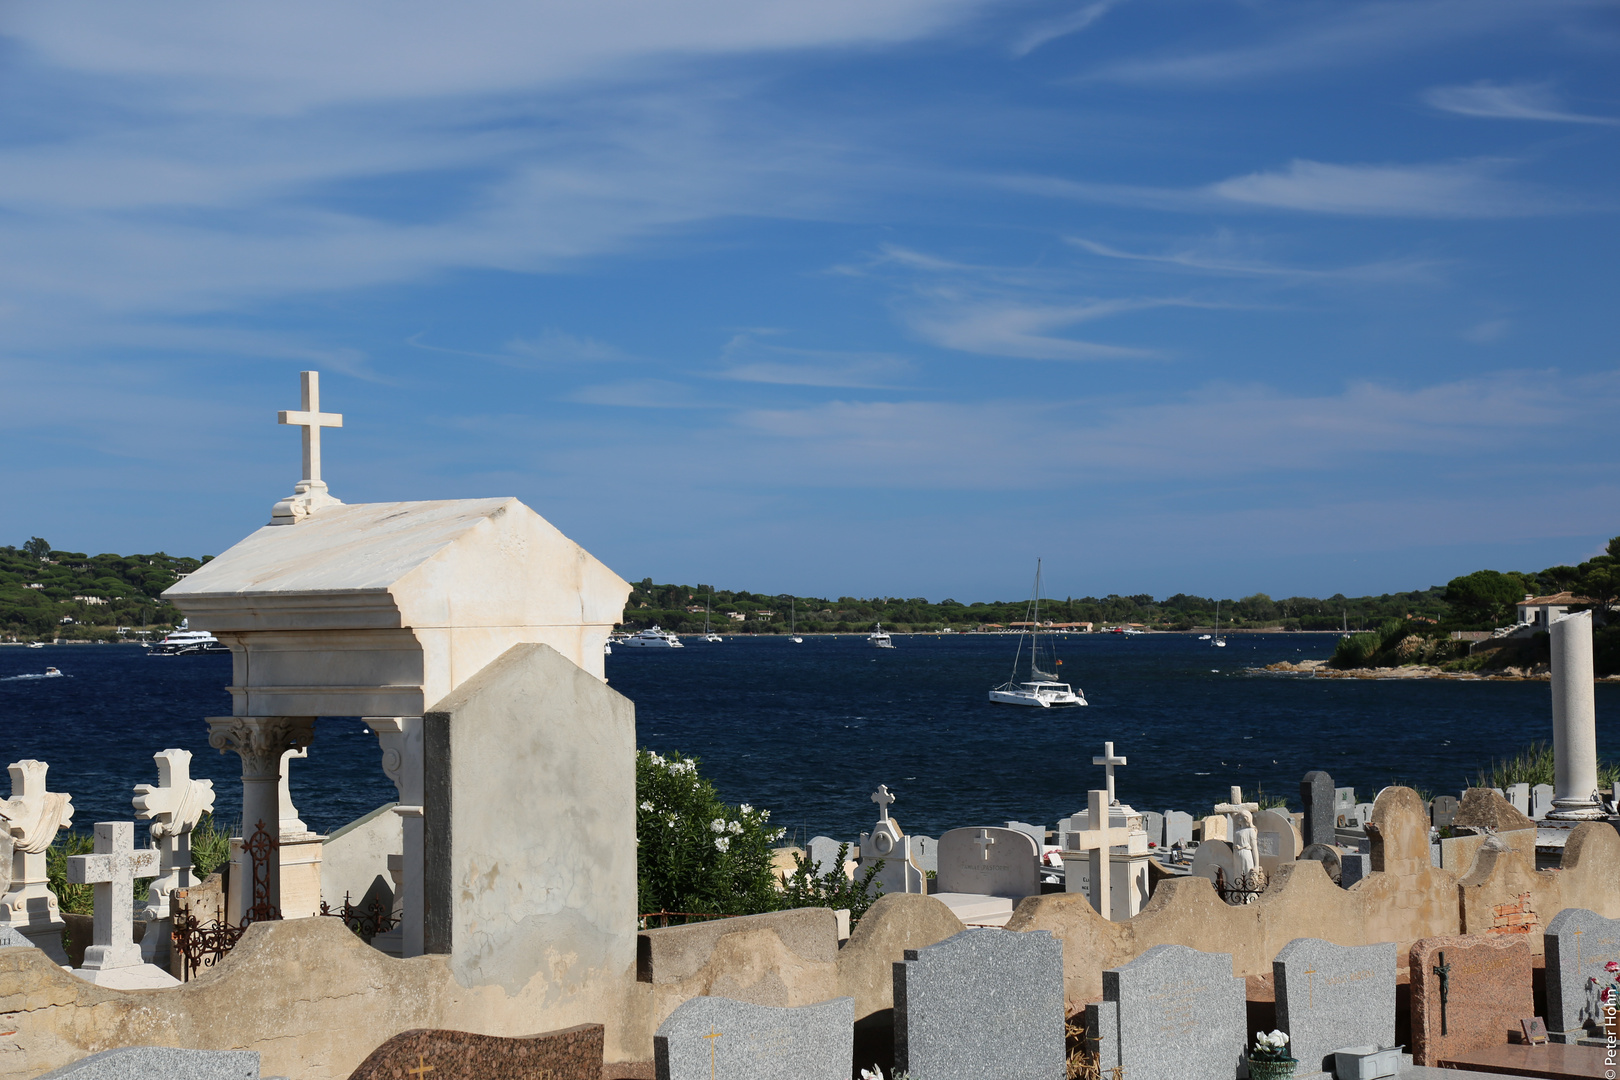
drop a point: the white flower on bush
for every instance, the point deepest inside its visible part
(745, 809)
(735, 828)
(718, 826)
(722, 843)
(647, 806)
(681, 767)
(671, 820)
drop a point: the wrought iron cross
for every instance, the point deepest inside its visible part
(1443, 970)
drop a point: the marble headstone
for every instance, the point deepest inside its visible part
(925, 853)
(1036, 833)
(1541, 797)
(982, 1005)
(571, 1054)
(1316, 795)
(1443, 811)
(161, 1063)
(1519, 796)
(11, 938)
(1177, 828)
(1173, 1011)
(1276, 839)
(714, 1038)
(824, 850)
(989, 861)
(1487, 983)
(1578, 943)
(1333, 996)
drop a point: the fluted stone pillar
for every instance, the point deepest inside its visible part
(1574, 708)
(261, 741)
(401, 741)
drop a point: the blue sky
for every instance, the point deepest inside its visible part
(836, 298)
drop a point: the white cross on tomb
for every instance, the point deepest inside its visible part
(311, 419)
(882, 797)
(1108, 761)
(113, 870)
(984, 840)
(1097, 837)
(1237, 805)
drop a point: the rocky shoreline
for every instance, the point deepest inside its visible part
(1320, 669)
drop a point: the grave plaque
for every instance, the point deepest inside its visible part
(1444, 811)
(982, 1005)
(1178, 828)
(1173, 1011)
(714, 1038)
(1333, 996)
(571, 1054)
(1579, 944)
(990, 862)
(1316, 796)
(1154, 824)
(1353, 867)
(1468, 993)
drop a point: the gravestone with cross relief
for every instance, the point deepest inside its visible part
(888, 843)
(1333, 996)
(1468, 992)
(113, 959)
(715, 1038)
(984, 872)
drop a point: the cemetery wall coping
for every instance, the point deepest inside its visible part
(1486, 808)
(307, 994)
(675, 953)
(892, 925)
(1503, 894)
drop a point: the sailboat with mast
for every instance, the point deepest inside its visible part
(793, 621)
(709, 635)
(1218, 641)
(1041, 690)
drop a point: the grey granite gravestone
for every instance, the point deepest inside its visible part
(714, 1038)
(1353, 866)
(1330, 997)
(1177, 828)
(1541, 797)
(1578, 944)
(1154, 824)
(1443, 811)
(1173, 1011)
(161, 1063)
(11, 937)
(1316, 796)
(1519, 796)
(982, 1005)
(925, 853)
(824, 850)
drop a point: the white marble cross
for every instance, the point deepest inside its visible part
(311, 419)
(32, 816)
(173, 805)
(984, 840)
(1108, 761)
(1097, 837)
(882, 797)
(113, 870)
(1237, 805)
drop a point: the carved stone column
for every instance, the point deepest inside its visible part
(261, 741)
(401, 741)
(1574, 709)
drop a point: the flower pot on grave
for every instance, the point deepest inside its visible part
(1271, 1070)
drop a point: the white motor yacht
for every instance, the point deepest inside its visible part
(183, 641)
(654, 637)
(1041, 690)
(878, 638)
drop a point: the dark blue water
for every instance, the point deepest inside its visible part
(810, 730)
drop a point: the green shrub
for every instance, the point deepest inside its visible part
(695, 853)
(77, 899)
(1355, 651)
(210, 846)
(808, 886)
(1535, 765)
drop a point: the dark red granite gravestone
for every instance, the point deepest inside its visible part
(424, 1054)
(1468, 993)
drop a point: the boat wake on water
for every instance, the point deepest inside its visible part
(49, 673)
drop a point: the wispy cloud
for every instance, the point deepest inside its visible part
(1210, 258)
(1001, 326)
(1513, 101)
(1488, 332)
(641, 394)
(1463, 189)
(746, 359)
(1062, 26)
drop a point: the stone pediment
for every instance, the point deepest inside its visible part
(381, 609)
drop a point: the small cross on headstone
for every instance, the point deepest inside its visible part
(713, 1034)
(882, 797)
(422, 1067)
(1097, 837)
(984, 840)
(310, 493)
(113, 870)
(1108, 761)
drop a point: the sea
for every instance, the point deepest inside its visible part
(809, 730)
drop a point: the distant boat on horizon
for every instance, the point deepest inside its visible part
(1041, 690)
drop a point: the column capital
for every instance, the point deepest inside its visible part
(260, 740)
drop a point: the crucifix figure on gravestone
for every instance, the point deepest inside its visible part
(1443, 970)
(1108, 761)
(113, 870)
(882, 797)
(310, 493)
(1097, 837)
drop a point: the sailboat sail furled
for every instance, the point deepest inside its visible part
(1042, 689)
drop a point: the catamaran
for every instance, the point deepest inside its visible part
(709, 635)
(793, 622)
(1218, 641)
(1041, 690)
